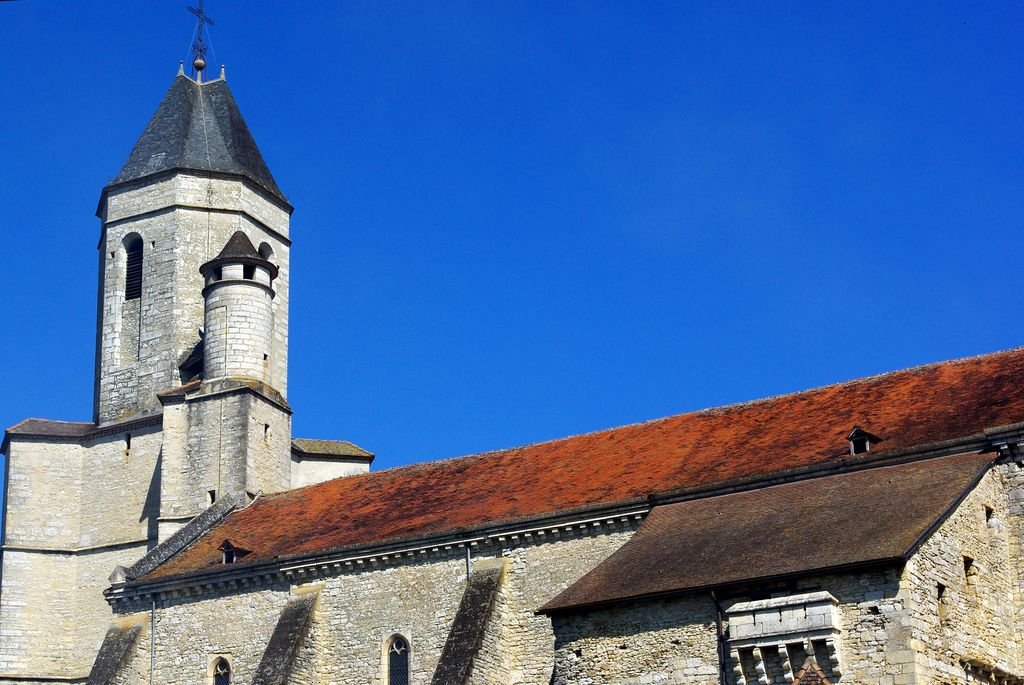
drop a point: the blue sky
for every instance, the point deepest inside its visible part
(519, 221)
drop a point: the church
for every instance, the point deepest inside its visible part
(867, 532)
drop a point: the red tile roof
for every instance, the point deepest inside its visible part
(839, 521)
(904, 409)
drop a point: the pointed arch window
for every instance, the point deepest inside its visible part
(133, 267)
(221, 672)
(398, 661)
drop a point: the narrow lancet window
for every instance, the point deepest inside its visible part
(398, 661)
(221, 672)
(133, 268)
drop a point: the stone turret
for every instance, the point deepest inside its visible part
(239, 316)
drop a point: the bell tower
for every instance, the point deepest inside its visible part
(194, 179)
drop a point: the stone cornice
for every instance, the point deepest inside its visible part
(229, 578)
(200, 173)
(167, 209)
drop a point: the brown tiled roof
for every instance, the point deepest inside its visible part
(77, 431)
(48, 428)
(704, 449)
(330, 448)
(831, 522)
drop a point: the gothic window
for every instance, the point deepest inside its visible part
(133, 267)
(221, 672)
(398, 661)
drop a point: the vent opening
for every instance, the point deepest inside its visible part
(231, 552)
(133, 269)
(969, 569)
(860, 440)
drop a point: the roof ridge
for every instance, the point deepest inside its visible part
(721, 409)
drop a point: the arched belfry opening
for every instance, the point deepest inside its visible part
(131, 311)
(133, 266)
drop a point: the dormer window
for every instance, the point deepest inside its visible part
(231, 553)
(860, 440)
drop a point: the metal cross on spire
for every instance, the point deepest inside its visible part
(198, 48)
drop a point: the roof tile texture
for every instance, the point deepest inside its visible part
(199, 127)
(703, 449)
(836, 521)
(330, 448)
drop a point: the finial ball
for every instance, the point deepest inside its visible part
(199, 64)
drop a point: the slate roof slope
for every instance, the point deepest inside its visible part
(48, 428)
(238, 247)
(330, 448)
(198, 127)
(839, 521)
(690, 451)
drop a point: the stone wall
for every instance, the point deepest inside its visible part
(37, 614)
(961, 589)
(236, 440)
(1012, 523)
(360, 609)
(661, 641)
(44, 491)
(218, 425)
(675, 640)
(73, 513)
(120, 487)
(307, 470)
(268, 465)
(192, 633)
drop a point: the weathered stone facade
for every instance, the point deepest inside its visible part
(414, 595)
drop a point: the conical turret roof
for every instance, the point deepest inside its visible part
(238, 247)
(198, 127)
(239, 250)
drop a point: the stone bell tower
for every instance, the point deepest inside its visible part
(194, 179)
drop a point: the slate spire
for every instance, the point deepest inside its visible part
(198, 127)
